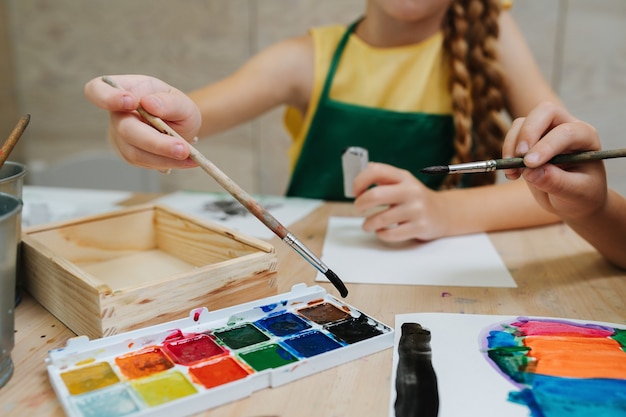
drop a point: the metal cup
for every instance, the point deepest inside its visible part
(11, 182)
(10, 238)
(12, 178)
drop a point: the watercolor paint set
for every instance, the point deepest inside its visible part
(212, 357)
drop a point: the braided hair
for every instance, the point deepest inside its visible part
(476, 81)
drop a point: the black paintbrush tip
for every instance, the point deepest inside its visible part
(437, 169)
(338, 283)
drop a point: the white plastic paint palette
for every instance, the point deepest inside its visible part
(212, 358)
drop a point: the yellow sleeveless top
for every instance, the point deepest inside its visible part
(412, 78)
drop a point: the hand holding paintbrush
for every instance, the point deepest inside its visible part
(577, 192)
(244, 198)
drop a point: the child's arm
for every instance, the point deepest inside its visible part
(606, 229)
(577, 193)
(281, 74)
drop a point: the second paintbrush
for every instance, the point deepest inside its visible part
(506, 163)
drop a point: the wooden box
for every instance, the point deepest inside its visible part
(110, 273)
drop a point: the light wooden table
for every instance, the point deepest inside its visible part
(557, 273)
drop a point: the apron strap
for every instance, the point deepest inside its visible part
(336, 58)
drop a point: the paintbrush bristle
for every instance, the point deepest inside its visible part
(437, 169)
(334, 279)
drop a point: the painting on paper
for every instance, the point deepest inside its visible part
(509, 365)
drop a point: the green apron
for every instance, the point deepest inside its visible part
(410, 141)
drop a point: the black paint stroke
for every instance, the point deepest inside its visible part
(417, 394)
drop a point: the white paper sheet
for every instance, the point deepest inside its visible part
(50, 204)
(223, 209)
(360, 257)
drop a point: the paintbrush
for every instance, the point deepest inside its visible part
(506, 163)
(15, 135)
(244, 198)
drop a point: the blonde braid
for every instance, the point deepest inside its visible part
(487, 77)
(455, 42)
(477, 21)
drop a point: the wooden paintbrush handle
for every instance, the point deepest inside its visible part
(588, 156)
(236, 191)
(572, 158)
(15, 135)
(222, 179)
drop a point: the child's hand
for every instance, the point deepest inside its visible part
(410, 210)
(139, 143)
(572, 191)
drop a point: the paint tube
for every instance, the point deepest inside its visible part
(353, 160)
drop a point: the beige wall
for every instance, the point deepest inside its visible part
(8, 93)
(54, 47)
